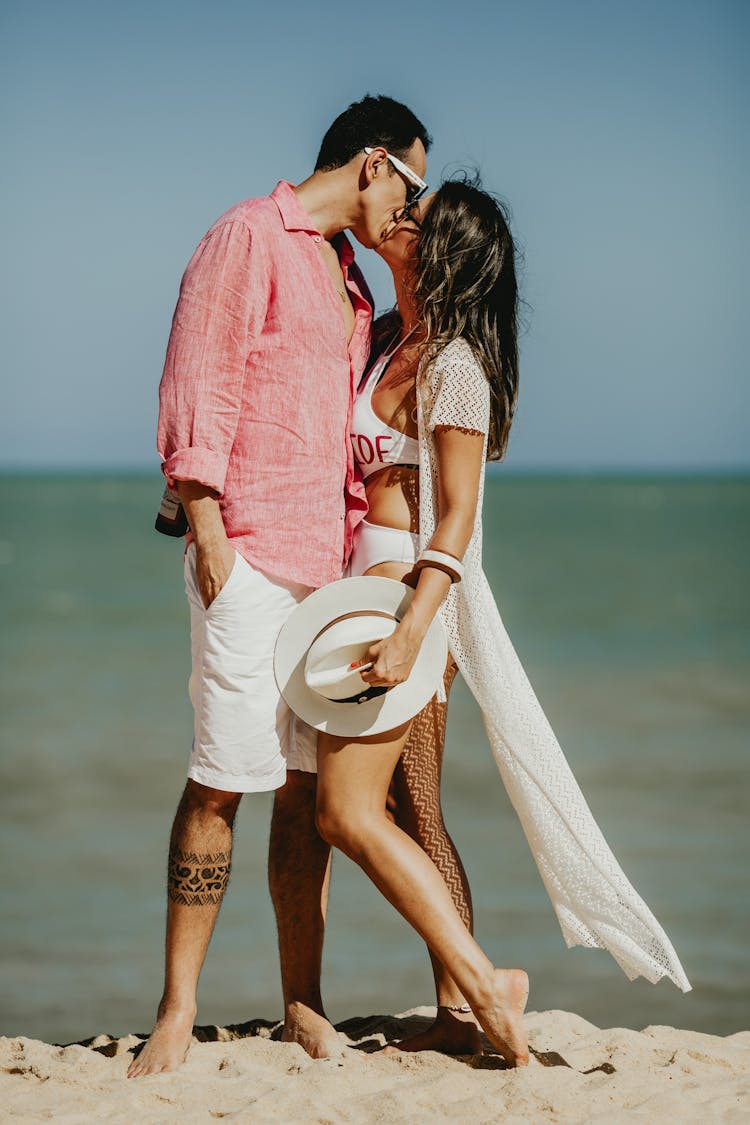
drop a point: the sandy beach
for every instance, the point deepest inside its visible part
(578, 1073)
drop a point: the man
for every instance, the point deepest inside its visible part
(268, 342)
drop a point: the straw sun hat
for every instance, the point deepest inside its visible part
(335, 626)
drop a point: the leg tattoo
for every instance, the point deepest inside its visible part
(417, 791)
(197, 880)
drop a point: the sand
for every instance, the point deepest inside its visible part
(580, 1073)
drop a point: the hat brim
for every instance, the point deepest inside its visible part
(376, 715)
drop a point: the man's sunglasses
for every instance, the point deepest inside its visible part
(417, 186)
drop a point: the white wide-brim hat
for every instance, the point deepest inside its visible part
(335, 626)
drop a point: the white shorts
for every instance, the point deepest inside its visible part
(245, 738)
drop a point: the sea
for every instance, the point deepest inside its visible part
(628, 602)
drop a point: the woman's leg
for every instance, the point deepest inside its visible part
(353, 782)
(415, 793)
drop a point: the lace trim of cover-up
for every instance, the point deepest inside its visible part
(595, 903)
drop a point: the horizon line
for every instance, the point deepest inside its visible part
(493, 467)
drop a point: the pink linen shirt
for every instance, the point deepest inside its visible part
(258, 387)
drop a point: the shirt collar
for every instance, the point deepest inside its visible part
(295, 217)
(293, 214)
(344, 249)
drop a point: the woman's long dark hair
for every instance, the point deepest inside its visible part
(465, 286)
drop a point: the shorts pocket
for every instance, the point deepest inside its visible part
(230, 582)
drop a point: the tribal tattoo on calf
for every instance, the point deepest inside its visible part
(197, 880)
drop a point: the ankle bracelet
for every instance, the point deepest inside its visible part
(465, 1009)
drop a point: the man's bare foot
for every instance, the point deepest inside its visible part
(452, 1033)
(502, 1016)
(166, 1047)
(313, 1032)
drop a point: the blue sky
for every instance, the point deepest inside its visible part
(617, 131)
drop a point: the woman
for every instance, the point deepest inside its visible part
(438, 401)
(479, 281)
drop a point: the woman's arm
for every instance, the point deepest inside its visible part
(459, 469)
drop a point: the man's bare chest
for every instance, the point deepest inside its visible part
(333, 266)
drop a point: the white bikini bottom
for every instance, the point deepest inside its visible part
(374, 544)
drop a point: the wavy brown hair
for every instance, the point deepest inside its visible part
(465, 286)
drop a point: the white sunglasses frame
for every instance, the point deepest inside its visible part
(409, 173)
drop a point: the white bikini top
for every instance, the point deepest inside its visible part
(375, 443)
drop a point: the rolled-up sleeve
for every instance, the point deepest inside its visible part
(221, 307)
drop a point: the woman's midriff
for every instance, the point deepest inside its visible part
(393, 499)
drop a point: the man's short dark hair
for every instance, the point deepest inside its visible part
(375, 121)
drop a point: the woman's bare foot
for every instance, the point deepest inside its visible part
(312, 1031)
(501, 1016)
(452, 1033)
(166, 1047)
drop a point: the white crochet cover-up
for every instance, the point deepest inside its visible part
(595, 904)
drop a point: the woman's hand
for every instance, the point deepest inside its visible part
(392, 658)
